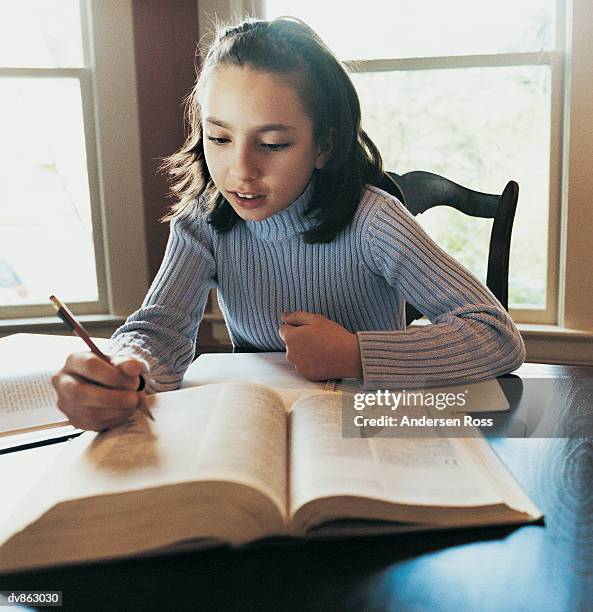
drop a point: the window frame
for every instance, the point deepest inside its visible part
(110, 112)
(553, 59)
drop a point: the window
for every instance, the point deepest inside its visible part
(469, 90)
(45, 210)
(70, 186)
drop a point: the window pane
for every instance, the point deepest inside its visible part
(46, 239)
(422, 28)
(479, 127)
(40, 33)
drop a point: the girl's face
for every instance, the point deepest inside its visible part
(258, 140)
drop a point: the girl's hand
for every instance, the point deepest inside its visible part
(319, 348)
(96, 395)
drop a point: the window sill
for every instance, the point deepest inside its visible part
(555, 344)
(100, 325)
(553, 331)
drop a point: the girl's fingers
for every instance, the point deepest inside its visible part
(94, 369)
(90, 406)
(299, 317)
(74, 390)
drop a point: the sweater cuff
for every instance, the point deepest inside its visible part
(384, 361)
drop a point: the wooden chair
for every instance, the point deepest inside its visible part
(420, 191)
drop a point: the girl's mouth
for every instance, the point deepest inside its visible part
(247, 200)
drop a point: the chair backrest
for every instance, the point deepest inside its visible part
(420, 191)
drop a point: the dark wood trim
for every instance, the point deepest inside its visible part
(165, 38)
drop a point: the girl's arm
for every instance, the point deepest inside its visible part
(162, 333)
(471, 337)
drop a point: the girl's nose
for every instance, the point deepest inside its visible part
(245, 166)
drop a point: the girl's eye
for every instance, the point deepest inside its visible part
(275, 147)
(267, 146)
(218, 141)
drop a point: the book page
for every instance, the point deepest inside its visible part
(28, 401)
(271, 369)
(430, 471)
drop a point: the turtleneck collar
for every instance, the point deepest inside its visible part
(287, 222)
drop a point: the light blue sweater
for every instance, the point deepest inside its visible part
(360, 280)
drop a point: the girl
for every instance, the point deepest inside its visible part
(277, 211)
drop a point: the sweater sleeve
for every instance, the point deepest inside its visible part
(162, 333)
(470, 338)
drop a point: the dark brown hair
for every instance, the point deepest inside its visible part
(286, 46)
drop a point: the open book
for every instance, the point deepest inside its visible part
(239, 462)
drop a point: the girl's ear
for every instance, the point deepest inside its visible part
(325, 148)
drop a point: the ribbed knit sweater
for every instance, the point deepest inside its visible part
(361, 280)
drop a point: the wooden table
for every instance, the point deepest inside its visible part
(528, 568)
